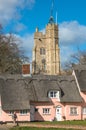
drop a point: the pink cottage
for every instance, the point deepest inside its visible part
(44, 98)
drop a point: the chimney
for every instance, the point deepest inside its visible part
(26, 69)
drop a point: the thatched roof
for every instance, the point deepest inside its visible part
(80, 71)
(65, 84)
(17, 91)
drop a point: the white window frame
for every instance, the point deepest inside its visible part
(84, 110)
(46, 111)
(11, 112)
(53, 94)
(73, 111)
(23, 112)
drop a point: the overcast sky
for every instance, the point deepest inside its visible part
(23, 16)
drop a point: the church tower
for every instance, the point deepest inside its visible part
(46, 58)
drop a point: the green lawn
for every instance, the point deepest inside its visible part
(79, 123)
(83, 122)
(30, 128)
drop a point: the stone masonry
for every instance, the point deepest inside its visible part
(46, 58)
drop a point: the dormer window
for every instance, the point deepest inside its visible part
(53, 94)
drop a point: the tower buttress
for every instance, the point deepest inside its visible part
(52, 55)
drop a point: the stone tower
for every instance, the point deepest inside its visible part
(46, 58)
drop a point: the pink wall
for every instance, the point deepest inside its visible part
(44, 117)
(65, 110)
(5, 116)
(52, 106)
(54, 103)
(83, 94)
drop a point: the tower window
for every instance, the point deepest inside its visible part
(43, 64)
(42, 51)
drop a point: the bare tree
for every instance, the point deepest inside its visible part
(78, 58)
(11, 54)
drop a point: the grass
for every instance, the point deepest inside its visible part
(79, 123)
(30, 128)
(75, 122)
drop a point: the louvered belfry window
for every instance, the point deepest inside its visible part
(42, 51)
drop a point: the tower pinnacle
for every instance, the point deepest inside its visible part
(51, 19)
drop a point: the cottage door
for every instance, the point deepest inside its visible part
(32, 112)
(58, 113)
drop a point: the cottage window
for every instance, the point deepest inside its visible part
(42, 51)
(84, 110)
(11, 112)
(23, 112)
(53, 94)
(36, 109)
(46, 110)
(73, 111)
